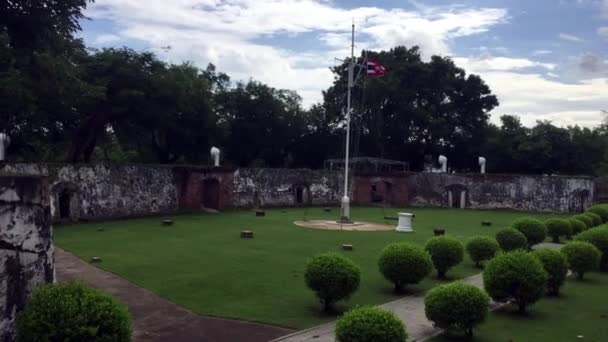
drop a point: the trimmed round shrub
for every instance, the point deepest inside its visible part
(515, 276)
(582, 257)
(534, 230)
(511, 239)
(556, 266)
(577, 225)
(599, 238)
(482, 248)
(457, 306)
(73, 312)
(366, 323)
(600, 210)
(597, 219)
(586, 219)
(332, 277)
(445, 252)
(558, 227)
(402, 263)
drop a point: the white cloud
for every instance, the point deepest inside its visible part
(541, 52)
(489, 63)
(603, 32)
(232, 34)
(240, 37)
(570, 38)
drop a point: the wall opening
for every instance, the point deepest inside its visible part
(376, 194)
(65, 202)
(456, 196)
(211, 194)
(299, 195)
(65, 198)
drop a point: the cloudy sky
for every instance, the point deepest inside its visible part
(544, 59)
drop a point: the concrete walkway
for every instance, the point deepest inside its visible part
(409, 309)
(156, 319)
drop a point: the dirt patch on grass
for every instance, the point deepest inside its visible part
(333, 225)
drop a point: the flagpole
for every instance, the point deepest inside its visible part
(346, 200)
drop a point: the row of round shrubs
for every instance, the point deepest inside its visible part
(334, 277)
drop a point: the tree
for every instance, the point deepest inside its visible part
(262, 124)
(417, 108)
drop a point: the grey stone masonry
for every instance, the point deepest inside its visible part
(26, 248)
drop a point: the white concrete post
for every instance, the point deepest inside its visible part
(215, 154)
(5, 141)
(482, 164)
(443, 161)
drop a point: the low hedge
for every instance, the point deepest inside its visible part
(597, 219)
(600, 210)
(456, 306)
(556, 266)
(445, 252)
(402, 264)
(557, 228)
(577, 225)
(582, 257)
(534, 230)
(73, 312)
(515, 276)
(481, 248)
(511, 239)
(332, 277)
(586, 219)
(599, 238)
(368, 323)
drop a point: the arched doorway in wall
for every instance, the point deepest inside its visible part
(381, 192)
(65, 202)
(301, 194)
(456, 196)
(580, 200)
(211, 194)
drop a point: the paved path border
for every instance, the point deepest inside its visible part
(156, 319)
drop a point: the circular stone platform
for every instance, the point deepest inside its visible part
(333, 225)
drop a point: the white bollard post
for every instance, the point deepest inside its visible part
(215, 154)
(5, 141)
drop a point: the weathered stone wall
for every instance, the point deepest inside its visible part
(26, 249)
(479, 191)
(98, 191)
(286, 187)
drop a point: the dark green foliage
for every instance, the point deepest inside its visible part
(557, 228)
(402, 264)
(586, 219)
(534, 230)
(577, 225)
(366, 323)
(482, 248)
(456, 306)
(600, 210)
(515, 276)
(511, 239)
(332, 277)
(445, 252)
(597, 219)
(556, 266)
(599, 238)
(582, 257)
(73, 312)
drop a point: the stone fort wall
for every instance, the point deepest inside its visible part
(26, 248)
(102, 191)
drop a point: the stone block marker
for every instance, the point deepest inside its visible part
(26, 248)
(246, 234)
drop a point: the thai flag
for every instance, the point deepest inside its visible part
(375, 68)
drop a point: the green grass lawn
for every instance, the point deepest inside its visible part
(581, 310)
(202, 264)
